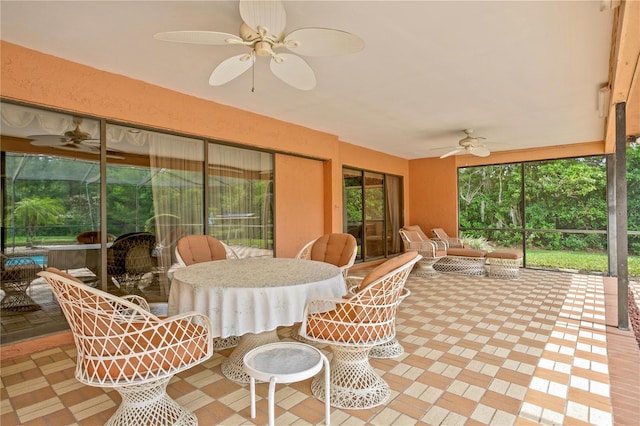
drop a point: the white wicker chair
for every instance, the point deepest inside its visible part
(392, 348)
(351, 327)
(431, 250)
(337, 249)
(193, 249)
(121, 345)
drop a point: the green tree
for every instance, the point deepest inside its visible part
(566, 194)
(36, 211)
(633, 196)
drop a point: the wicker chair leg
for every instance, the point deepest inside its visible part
(391, 349)
(424, 268)
(504, 268)
(354, 383)
(473, 266)
(149, 404)
(16, 298)
(295, 334)
(220, 343)
(233, 367)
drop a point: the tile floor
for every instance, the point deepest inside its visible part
(477, 351)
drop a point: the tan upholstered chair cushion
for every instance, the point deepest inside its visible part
(64, 274)
(418, 231)
(200, 248)
(413, 236)
(345, 331)
(505, 254)
(167, 335)
(440, 233)
(455, 251)
(386, 267)
(336, 249)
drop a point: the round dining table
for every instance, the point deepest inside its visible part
(251, 298)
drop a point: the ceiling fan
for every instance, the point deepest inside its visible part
(72, 140)
(262, 30)
(469, 145)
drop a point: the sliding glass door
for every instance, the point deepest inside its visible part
(373, 212)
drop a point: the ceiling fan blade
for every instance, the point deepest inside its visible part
(454, 152)
(268, 14)
(230, 69)
(294, 71)
(111, 154)
(198, 37)
(48, 140)
(323, 42)
(78, 147)
(480, 151)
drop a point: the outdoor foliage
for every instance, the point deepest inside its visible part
(556, 196)
(35, 211)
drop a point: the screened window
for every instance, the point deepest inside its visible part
(546, 208)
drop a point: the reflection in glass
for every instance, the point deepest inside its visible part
(154, 197)
(50, 186)
(240, 211)
(353, 213)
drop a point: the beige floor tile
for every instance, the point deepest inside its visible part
(477, 351)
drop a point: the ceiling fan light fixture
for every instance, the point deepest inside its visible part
(469, 145)
(263, 48)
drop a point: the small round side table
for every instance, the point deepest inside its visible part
(284, 362)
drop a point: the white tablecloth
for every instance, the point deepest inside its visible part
(252, 295)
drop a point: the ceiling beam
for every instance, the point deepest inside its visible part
(626, 71)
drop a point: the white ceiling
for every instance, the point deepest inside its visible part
(522, 74)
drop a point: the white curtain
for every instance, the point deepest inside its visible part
(177, 187)
(240, 184)
(394, 194)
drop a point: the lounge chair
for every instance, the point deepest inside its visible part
(440, 235)
(431, 250)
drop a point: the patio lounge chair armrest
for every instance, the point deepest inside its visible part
(425, 248)
(444, 243)
(440, 245)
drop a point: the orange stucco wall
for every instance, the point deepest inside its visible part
(434, 185)
(299, 182)
(41, 79)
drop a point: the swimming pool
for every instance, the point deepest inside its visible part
(40, 260)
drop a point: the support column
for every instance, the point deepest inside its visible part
(622, 248)
(611, 215)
